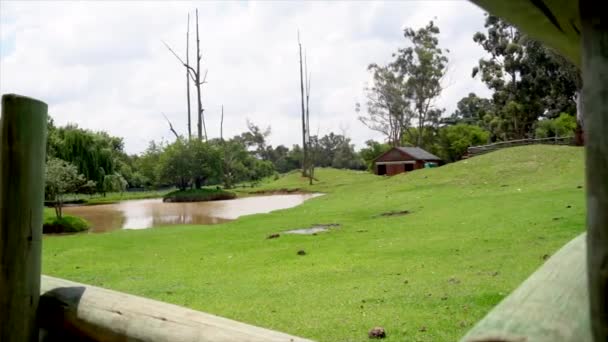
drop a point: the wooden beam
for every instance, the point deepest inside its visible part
(70, 310)
(22, 158)
(551, 305)
(594, 18)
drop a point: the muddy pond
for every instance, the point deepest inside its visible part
(141, 214)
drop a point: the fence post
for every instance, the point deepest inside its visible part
(22, 160)
(594, 21)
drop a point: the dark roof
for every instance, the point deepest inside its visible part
(418, 153)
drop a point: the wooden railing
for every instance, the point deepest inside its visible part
(477, 150)
(72, 311)
(551, 305)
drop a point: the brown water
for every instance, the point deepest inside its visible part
(141, 214)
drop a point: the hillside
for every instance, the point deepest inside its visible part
(474, 230)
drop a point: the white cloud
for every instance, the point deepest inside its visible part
(102, 64)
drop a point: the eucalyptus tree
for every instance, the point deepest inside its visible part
(528, 80)
(403, 93)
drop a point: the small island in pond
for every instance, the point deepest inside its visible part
(198, 195)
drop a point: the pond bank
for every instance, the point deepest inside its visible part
(141, 214)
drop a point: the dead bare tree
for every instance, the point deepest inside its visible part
(310, 160)
(170, 126)
(188, 78)
(199, 83)
(304, 147)
(222, 125)
(195, 76)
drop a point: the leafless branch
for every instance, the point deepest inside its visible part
(191, 69)
(170, 126)
(204, 77)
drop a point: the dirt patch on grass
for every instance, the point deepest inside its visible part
(395, 213)
(313, 230)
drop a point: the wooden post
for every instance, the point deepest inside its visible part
(551, 305)
(22, 160)
(72, 311)
(594, 19)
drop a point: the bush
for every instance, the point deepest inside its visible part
(199, 195)
(66, 224)
(562, 126)
(454, 140)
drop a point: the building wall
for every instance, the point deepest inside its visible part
(395, 169)
(396, 155)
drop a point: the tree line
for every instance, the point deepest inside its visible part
(534, 93)
(89, 162)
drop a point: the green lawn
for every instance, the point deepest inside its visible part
(476, 230)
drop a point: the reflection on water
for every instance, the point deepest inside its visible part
(140, 214)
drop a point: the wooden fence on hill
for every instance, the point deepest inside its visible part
(482, 149)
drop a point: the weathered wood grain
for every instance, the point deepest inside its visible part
(594, 19)
(551, 305)
(69, 310)
(22, 157)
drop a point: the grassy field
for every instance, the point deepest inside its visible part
(476, 229)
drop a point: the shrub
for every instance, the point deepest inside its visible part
(454, 140)
(562, 126)
(199, 195)
(65, 224)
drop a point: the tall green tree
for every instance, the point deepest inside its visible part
(404, 92)
(174, 165)
(388, 107)
(528, 80)
(95, 154)
(471, 110)
(146, 164)
(422, 67)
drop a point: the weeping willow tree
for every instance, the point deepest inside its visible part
(95, 154)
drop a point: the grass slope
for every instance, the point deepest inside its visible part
(477, 229)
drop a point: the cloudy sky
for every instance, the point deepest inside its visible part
(102, 65)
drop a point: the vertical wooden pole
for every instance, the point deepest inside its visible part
(22, 160)
(594, 20)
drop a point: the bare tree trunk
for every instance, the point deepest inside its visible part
(222, 125)
(310, 157)
(304, 147)
(198, 83)
(188, 78)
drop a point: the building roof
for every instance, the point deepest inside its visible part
(418, 153)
